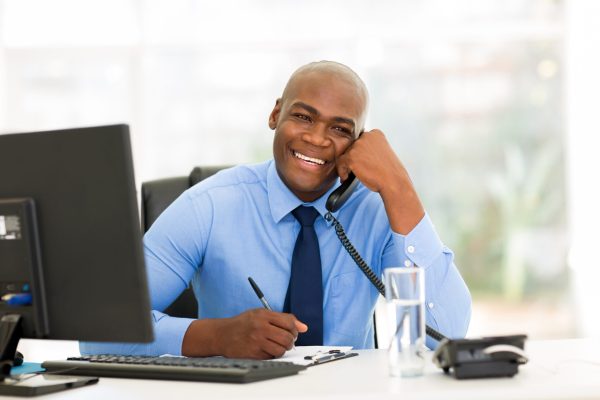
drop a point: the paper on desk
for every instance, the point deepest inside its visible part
(297, 355)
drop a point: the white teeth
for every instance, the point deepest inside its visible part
(309, 159)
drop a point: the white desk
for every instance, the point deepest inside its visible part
(562, 369)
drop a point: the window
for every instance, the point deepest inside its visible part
(470, 94)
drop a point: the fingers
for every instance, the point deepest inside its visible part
(286, 328)
(300, 326)
(275, 349)
(372, 160)
(269, 333)
(347, 162)
(260, 333)
(342, 170)
(281, 337)
(341, 165)
(283, 333)
(286, 321)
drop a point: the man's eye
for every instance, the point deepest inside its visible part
(302, 117)
(342, 130)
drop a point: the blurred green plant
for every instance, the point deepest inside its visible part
(526, 197)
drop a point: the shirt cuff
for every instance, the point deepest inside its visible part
(169, 333)
(422, 245)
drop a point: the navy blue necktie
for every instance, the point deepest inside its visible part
(304, 297)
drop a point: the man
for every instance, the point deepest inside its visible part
(243, 223)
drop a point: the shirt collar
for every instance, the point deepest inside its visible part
(281, 199)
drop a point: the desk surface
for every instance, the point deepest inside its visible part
(558, 369)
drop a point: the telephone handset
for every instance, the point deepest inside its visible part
(334, 202)
(340, 195)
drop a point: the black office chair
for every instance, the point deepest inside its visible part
(156, 197)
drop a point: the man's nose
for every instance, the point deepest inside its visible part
(317, 135)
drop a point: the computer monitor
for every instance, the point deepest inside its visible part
(71, 259)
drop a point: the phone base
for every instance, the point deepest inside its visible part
(483, 370)
(486, 357)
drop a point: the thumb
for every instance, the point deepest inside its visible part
(302, 327)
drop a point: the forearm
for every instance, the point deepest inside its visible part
(402, 205)
(448, 301)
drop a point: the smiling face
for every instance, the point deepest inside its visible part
(320, 114)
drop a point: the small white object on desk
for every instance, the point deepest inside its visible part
(308, 355)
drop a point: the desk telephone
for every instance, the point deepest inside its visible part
(468, 358)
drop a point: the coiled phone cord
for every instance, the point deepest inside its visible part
(339, 230)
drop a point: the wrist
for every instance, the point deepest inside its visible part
(202, 338)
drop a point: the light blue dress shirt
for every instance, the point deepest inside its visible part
(238, 223)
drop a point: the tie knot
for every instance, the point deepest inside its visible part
(305, 215)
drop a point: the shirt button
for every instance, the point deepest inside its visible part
(430, 305)
(407, 263)
(410, 249)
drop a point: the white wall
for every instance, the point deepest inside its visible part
(583, 134)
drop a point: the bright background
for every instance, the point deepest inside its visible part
(491, 105)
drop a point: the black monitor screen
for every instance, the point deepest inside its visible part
(78, 187)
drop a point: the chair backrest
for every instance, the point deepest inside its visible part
(158, 194)
(156, 197)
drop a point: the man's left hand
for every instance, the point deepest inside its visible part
(376, 165)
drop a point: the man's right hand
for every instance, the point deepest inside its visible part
(257, 333)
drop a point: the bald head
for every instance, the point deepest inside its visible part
(320, 115)
(327, 71)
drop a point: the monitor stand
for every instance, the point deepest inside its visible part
(31, 384)
(10, 333)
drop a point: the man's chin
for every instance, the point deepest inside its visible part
(310, 193)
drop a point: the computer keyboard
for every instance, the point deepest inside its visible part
(209, 369)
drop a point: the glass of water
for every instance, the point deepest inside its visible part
(405, 313)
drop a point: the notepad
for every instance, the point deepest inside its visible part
(314, 355)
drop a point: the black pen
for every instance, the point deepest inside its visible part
(323, 358)
(262, 299)
(260, 294)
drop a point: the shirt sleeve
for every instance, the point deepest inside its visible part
(168, 337)
(447, 298)
(173, 248)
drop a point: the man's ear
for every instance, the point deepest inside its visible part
(274, 116)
